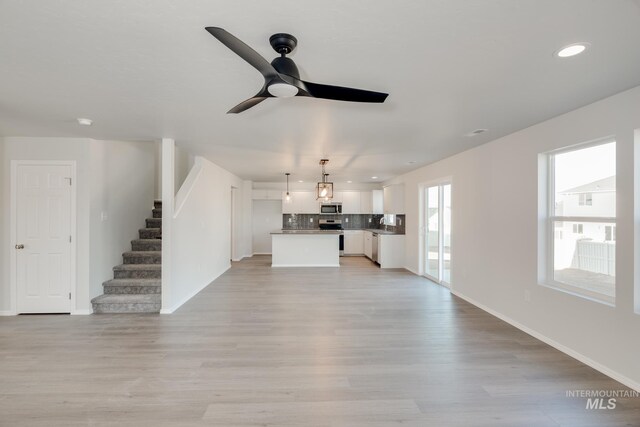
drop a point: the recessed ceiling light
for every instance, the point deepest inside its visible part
(300, 180)
(571, 50)
(374, 177)
(85, 122)
(349, 182)
(410, 162)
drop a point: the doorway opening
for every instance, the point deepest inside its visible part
(437, 229)
(232, 234)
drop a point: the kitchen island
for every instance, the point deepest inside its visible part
(305, 248)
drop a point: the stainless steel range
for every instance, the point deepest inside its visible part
(333, 224)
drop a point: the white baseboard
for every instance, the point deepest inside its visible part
(8, 313)
(566, 350)
(82, 312)
(412, 271)
(261, 253)
(298, 265)
(193, 294)
(242, 257)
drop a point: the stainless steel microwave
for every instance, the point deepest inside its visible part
(331, 208)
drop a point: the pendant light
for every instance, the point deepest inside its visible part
(287, 197)
(324, 189)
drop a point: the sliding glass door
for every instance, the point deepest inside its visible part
(437, 241)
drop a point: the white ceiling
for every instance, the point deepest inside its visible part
(144, 69)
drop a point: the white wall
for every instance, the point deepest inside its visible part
(495, 234)
(183, 163)
(196, 228)
(5, 244)
(115, 177)
(267, 217)
(122, 187)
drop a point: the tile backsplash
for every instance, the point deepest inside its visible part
(349, 222)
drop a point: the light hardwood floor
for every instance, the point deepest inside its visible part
(355, 346)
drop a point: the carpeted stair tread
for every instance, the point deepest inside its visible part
(127, 303)
(138, 267)
(146, 245)
(133, 281)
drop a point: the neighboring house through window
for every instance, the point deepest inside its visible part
(582, 220)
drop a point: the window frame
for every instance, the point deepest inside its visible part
(552, 219)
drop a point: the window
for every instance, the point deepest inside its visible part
(390, 219)
(585, 199)
(610, 233)
(582, 219)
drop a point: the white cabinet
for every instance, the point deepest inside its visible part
(377, 202)
(302, 202)
(308, 203)
(391, 250)
(354, 242)
(366, 202)
(260, 194)
(371, 202)
(368, 248)
(337, 197)
(351, 202)
(394, 199)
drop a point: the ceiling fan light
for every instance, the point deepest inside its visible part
(282, 90)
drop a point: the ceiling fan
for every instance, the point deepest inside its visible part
(281, 76)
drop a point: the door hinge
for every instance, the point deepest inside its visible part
(69, 239)
(69, 178)
(69, 295)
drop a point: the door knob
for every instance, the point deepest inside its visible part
(19, 246)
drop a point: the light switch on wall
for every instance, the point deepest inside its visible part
(104, 216)
(369, 220)
(289, 219)
(346, 220)
(310, 219)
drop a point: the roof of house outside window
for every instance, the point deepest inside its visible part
(600, 186)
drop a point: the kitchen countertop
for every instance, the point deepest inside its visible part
(374, 230)
(309, 231)
(316, 231)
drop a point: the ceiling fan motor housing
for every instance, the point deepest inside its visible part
(284, 65)
(283, 43)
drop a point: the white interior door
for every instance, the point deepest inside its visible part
(43, 238)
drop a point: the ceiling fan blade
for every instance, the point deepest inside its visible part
(245, 105)
(244, 51)
(340, 93)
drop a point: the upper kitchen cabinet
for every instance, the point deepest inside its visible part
(377, 202)
(366, 202)
(370, 202)
(260, 194)
(302, 202)
(351, 203)
(394, 199)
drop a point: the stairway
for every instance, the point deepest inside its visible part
(136, 283)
